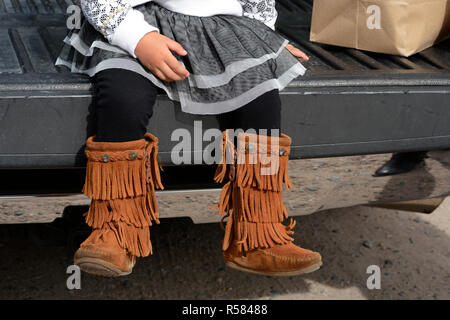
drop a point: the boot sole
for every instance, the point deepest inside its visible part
(309, 269)
(99, 267)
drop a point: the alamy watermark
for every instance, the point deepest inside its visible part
(374, 19)
(73, 20)
(374, 280)
(74, 279)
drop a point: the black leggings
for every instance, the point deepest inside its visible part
(124, 103)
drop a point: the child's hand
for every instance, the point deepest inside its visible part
(154, 51)
(297, 52)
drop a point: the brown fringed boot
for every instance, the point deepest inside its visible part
(255, 239)
(121, 178)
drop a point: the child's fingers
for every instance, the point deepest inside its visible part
(297, 52)
(301, 54)
(175, 46)
(169, 73)
(159, 74)
(176, 66)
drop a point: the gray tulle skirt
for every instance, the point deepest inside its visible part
(231, 59)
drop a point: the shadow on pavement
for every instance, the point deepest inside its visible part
(413, 255)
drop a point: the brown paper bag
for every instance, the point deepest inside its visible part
(401, 27)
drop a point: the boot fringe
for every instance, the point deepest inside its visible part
(223, 168)
(255, 205)
(263, 168)
(268, 174)
(135, 240)
(260, 205)
(225, 203)
(114, 179)
(120, 177)
(138, 211)
(153, 167)
(250, 235)
(258, 213)
(250, 175)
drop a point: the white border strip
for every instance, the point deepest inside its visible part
(209, 81)
(75, 41)
(188, 105)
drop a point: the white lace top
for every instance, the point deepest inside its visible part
(124, 26)
(262, 10)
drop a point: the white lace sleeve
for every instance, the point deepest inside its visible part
(105, 15)
(117, 21)
(262, 10)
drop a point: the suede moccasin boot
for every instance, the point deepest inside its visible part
(255, 239)
(121, 178)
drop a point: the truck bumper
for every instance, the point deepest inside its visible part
(319, 184)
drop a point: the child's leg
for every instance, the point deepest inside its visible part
(261, 113)
(124, 104)
(121, 175)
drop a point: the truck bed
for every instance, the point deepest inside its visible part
(349, 102)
